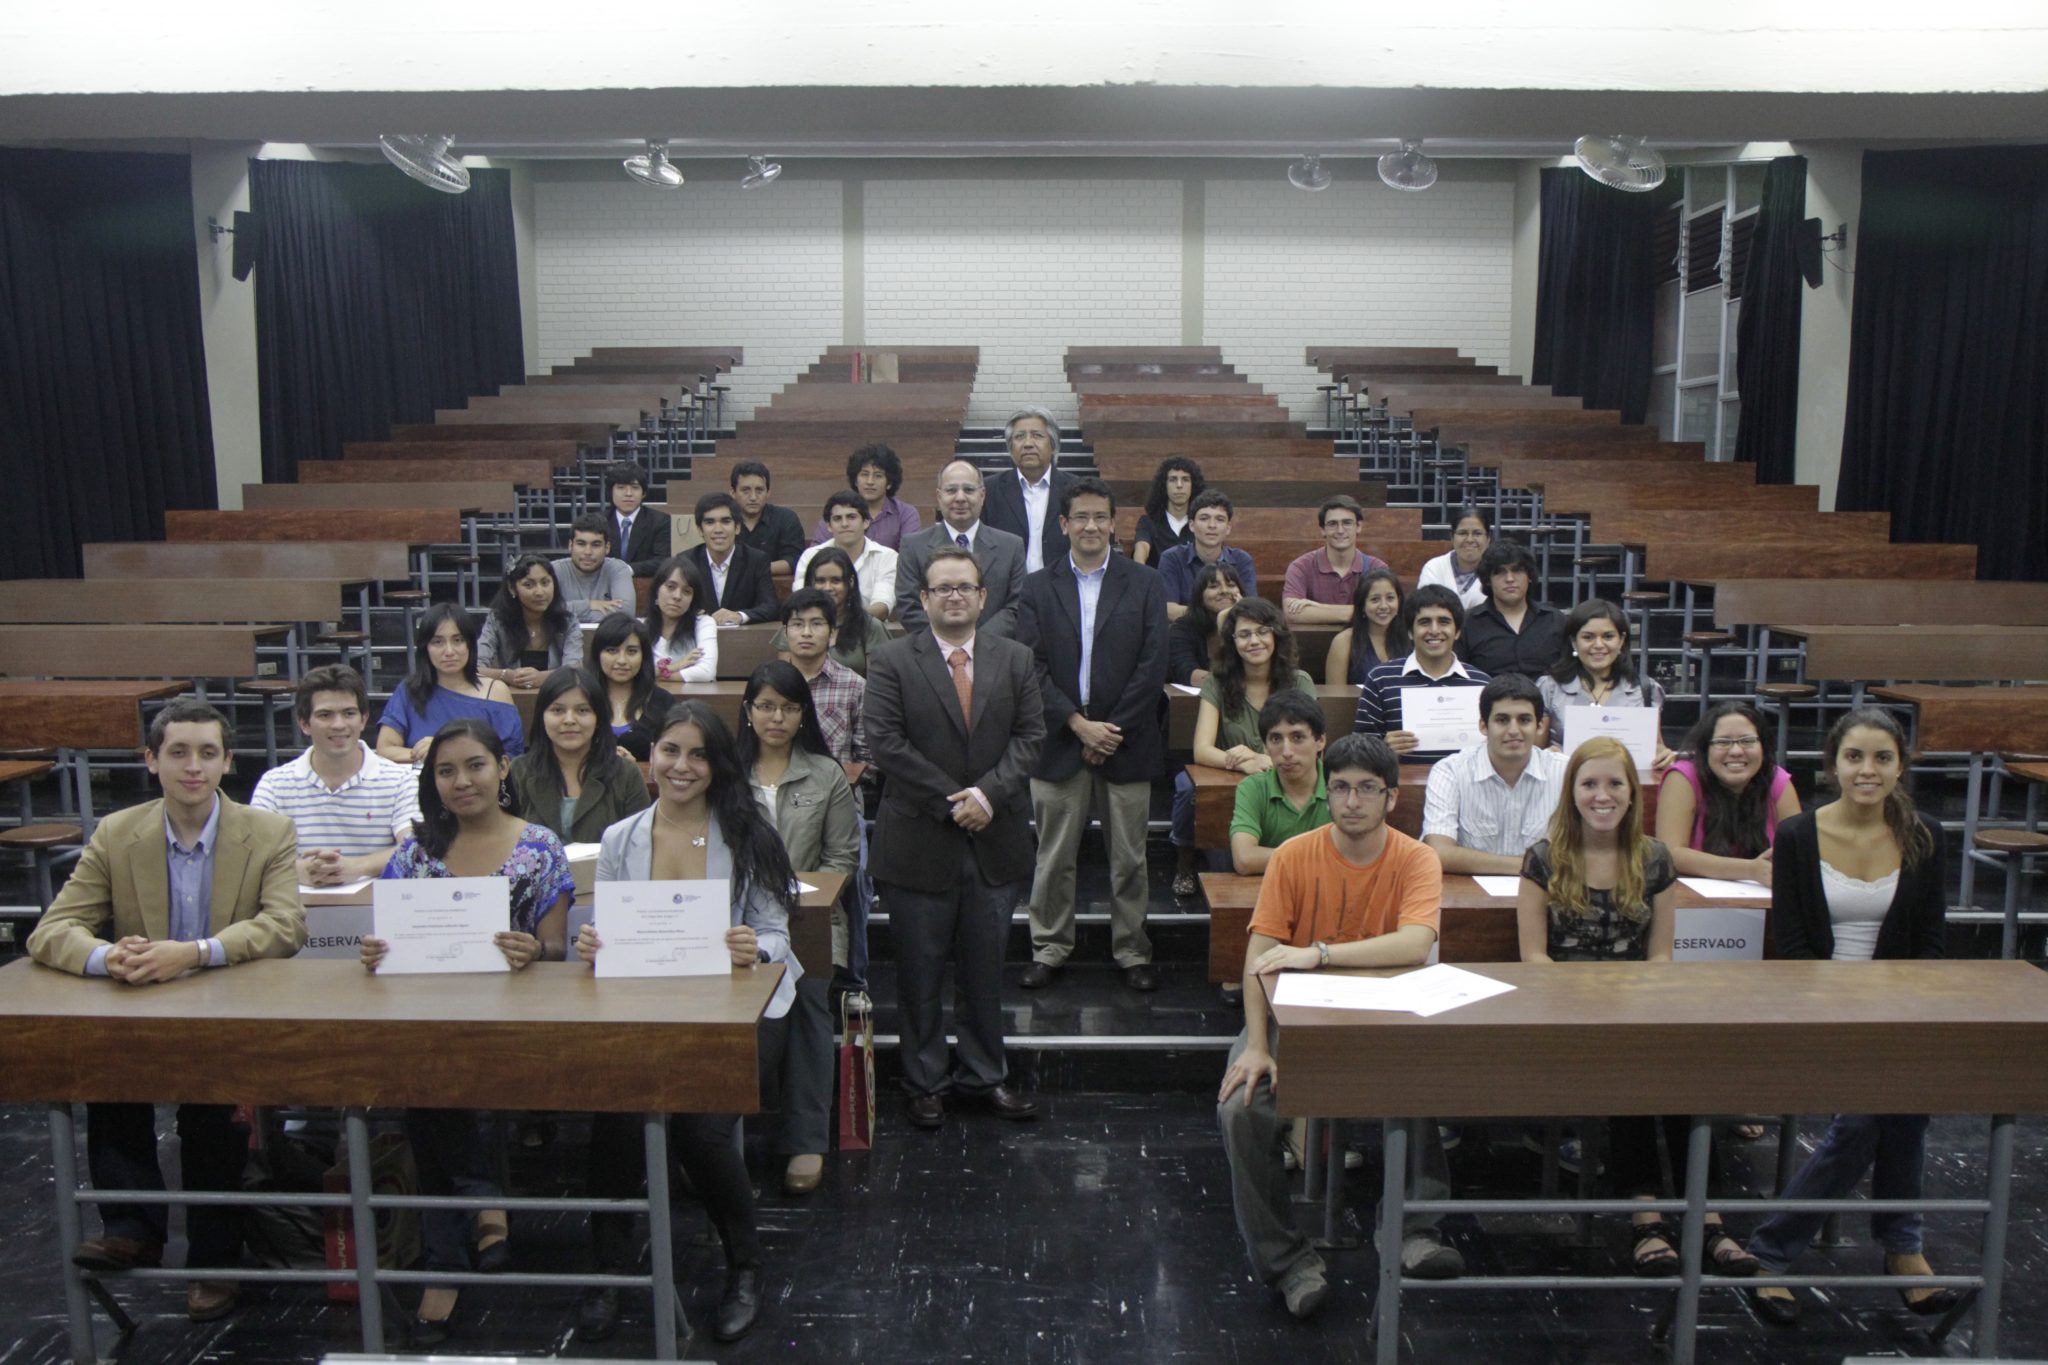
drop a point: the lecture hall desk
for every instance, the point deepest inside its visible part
(469, 496)
(328, 1034)
(135, 651)
(1920, 653)
(272, 601)
(1699, 1038)
(73, 717)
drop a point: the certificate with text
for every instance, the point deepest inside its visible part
(1441, 717)
(1634, 726)
(663, 928)
(442, 924)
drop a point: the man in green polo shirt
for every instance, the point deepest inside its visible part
(1289, 798)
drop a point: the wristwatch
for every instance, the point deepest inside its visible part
(1322, 953)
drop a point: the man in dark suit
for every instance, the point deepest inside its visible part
(1000, 554)
(742, 588)
(955, 721)
(639, 535)
(1097, 623)
(1026, 500)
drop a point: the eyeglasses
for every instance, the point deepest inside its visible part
(1737, 742)
(777, 710)
(1252, 635)
(954, 590)
(1091, 518)
(1344, 791)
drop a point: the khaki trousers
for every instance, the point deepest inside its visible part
(1062, 810)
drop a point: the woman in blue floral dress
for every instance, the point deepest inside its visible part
(465, 830)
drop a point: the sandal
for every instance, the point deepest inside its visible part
(493, 1245)
(1184, 886)
(1932, 1302)
(1654, 1256)
(1726, 1256)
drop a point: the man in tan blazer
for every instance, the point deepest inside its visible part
(188, 883)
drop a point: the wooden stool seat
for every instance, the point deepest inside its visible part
(343, 637)
(267, 687)
(22, 770)
(1594, 561)
(2021, 841)
(41, 836)
(1707, 639)
(406, 595)
(1787, 691)
(1643, 597)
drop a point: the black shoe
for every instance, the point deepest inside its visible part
(496, 1258)
(1037, 976)
(427, 1333)
(599, 1316)
(927, 1112)
(1142, 977)
(739, 1305)
(1779, 1312)
(1007, 1102)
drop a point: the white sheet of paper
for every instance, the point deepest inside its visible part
(663, 928)
(1506, 888)
(576, 853)
(1718, 933)
(806, 889)
(1716, 888)
(1319, 990)
(1183, 687)
(1441, 717)
(1432, 990)
(442, 924)
(1634, 726)
(338, 889)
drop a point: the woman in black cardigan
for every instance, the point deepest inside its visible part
(1860, 878)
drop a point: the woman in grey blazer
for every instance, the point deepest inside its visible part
(706, 826)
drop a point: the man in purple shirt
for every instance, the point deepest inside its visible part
(875, 473)
(1321, 583)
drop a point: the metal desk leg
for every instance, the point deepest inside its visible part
(81, 785)
(2000, 1192)
(1393, 1195)
(1699, 1145)
(64, 1170)
(369, 1299)
(1311, 1149)
(668, 1312)
(1970, 815)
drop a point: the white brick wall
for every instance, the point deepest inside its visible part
(620, 264)
(1358, 264)
(1022, 269)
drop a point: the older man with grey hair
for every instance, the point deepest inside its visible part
(1025, 500)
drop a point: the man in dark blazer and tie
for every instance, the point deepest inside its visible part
(954, 721)
(1097, 623)
(738, 573)
(1000, 554)
(1025, 500)
(639, 535)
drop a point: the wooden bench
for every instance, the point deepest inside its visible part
(489, 498)
(579, 433)
(521, 473)
(1760, 601)
(28, 601)
(558, 454)
(404, 526)
(1710, 561)
(1921, 653)
(134, 651)
(348, 561)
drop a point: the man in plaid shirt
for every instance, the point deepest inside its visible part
(836, 690)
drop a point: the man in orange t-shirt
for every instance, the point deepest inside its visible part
(1351, 894)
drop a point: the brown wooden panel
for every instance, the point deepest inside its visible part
(1926, 653)
(558, 454)
(1731, 525)
(1485, 451)
(406, 526)
(76, 715)
(566, 412)
(328, 1033)
(1193, 424)
(1705, 501)
(1557, 422)
(1340, 706)
(520, 473)
(1966, 720)
(583, 433)
(349, 561)
(463, 497)
(1299, 522)
(1231, 472)
(1628, 468)
(1216, 796)
(1688, 1037)
(1503, 400)
(1903, 601)
(1466, 933)
(136, 651)
(1706, 561)
(1306, 493)
(58, 600)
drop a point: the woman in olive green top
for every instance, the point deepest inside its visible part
(572, 778)
(858, 634)
(1255, 648)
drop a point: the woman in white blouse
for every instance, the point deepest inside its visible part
(679, 607)
(1458, 569)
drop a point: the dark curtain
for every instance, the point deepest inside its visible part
(1767, 328)
(104, 420)
(378, 300)
(1947, 421)
(1594, 296)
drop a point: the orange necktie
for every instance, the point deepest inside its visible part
(962, 685)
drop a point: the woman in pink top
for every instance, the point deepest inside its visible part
(1718, 810)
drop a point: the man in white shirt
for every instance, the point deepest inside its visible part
(873, 563)
(1489, 801)
(1000, 554)
(350, 805)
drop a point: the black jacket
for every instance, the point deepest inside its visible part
(749, 586)
(1915, 926)
(1004, 510)
(1126, 665)
(649, 543)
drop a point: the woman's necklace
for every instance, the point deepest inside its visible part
(696, 840)
(1599, 691)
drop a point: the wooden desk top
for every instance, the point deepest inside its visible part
(1689, 1037)
(183, 600)
(395, 469)
(1792, 557)
(1877, 602)
(329, 1033)
(402, 525)
(1733, 526)
(349, 561)
(133, 651)
(76, 715)
(462, 496)
(583, 432)
(1340, 708)
(1930, 653)
(1966, 720)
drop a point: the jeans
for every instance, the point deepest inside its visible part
(120, 1149)
(458, 1152)
(1182, 830)
(1894, 1144)
(850, 919)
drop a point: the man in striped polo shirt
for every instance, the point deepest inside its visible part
(350, 805)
